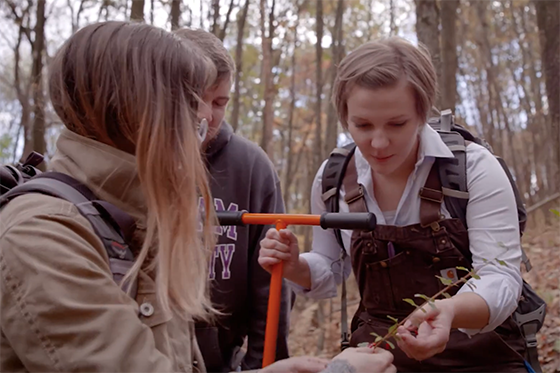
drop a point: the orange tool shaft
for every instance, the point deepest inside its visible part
(273, 315)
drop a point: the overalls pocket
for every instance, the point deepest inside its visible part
(378, 287)
(444, 268)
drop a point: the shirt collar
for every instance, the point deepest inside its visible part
(431, 146)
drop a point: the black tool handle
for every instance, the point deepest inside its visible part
(365, 221)
(230, 217)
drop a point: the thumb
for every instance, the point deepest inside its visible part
(288, 237)
(366, 350)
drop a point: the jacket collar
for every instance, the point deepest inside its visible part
(111, 174)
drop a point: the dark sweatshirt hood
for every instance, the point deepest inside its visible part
(220, 141)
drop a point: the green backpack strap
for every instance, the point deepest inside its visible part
(332, 177)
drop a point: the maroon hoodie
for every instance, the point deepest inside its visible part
(242, 178)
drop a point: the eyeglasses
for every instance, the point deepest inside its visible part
(202, 130)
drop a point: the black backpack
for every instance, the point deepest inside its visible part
(531, 310)
(113, 226)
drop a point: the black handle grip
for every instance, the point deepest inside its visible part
(364, 221)
(230, 217)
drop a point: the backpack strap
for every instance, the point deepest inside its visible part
(331, 182)
(453, 173)
(113, 226)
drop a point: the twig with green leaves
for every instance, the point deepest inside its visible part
(392, 332)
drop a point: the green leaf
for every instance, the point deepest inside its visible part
(557, 213)
(502, 263)
(463, 269)
(446, 295)
(394, 319)
(378, 339)
(425, 297)
(410, 301)
(375, 334)
(485, 260)
(392, 328)
(474, 275)
(363, 344)
(445, 281)
(390, 345)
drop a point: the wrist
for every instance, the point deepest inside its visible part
(449, 307)
(299, 273)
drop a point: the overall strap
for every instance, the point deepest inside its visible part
(431, 198)
(354, 196)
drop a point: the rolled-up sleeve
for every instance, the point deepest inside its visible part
(324, 259)
(60, 308)
(493, 231)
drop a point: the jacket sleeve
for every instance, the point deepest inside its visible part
(258, 293)
(60, 308)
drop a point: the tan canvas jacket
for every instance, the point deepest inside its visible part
(60, 309)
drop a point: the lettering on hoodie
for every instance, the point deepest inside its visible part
(223, 252)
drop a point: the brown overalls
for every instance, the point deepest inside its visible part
(421, 251)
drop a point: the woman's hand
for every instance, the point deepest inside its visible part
(280, 246)
(365, 359)
(300, 364)
(432, 328)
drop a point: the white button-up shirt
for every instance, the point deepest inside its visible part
(493, 227)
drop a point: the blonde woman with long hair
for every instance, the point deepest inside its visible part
(129, 98)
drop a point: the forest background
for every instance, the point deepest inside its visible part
(498, 65)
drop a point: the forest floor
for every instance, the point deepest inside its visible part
(315, 325)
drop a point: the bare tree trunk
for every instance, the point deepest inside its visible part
(175, 14)
(318, 156)
(449, 54)
(337, 52)
(201, 18)
(289, 176)
(238, 66)
(137, 10)
(392, 25)
(226, 22)
(39, 144)
(531, 86)
(548, 20)
(427, 29)
(266, 76)
(23, 93)
(494, 99)
(215, 17)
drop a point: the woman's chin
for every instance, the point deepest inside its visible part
(382, 167)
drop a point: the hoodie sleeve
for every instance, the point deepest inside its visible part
(259, 290)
